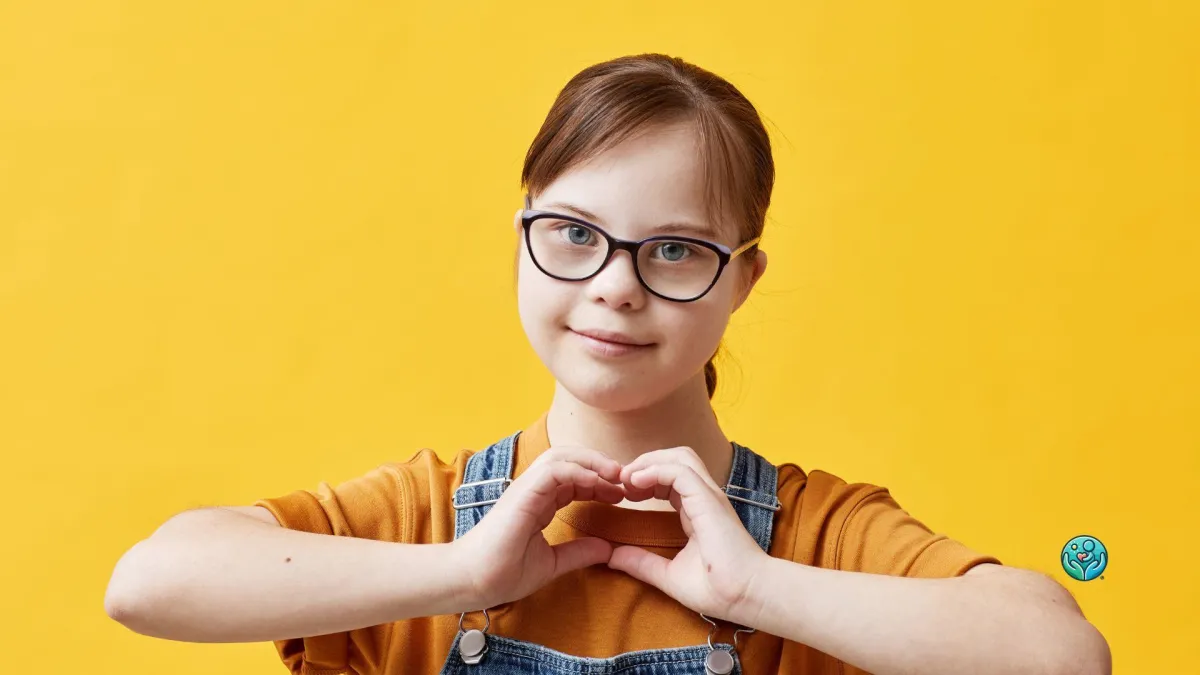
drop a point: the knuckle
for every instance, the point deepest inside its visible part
(538, 472)
(566, 471)
(551, 455)
(560, 465)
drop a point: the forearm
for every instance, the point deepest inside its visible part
(214, 576)
(895, 626)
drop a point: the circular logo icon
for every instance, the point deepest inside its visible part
(1084, 557)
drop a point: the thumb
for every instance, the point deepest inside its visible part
(641, 564)
(579, 553)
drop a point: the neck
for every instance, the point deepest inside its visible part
(684, 418)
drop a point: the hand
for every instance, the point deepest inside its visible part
(716, 570)
(505, 557)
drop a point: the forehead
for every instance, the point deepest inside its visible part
(650, 179)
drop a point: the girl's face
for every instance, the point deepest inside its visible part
(610, 342)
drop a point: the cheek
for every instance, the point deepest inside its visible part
(541, 301)
(695, 330)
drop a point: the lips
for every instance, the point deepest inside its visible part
(612, 337)
(606, 344)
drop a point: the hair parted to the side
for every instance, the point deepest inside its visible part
(606, 103)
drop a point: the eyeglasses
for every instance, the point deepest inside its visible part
(680, 269)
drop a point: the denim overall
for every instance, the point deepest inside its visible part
(751, 491)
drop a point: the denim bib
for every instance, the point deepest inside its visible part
(751, 491)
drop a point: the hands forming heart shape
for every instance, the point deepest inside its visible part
(505, 557)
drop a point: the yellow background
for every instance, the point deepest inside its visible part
(248, 247)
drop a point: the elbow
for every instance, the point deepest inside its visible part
(1081, 649)
(121, 598)
(1097, 654)
(145, 583)
(128, 593)
(1090, 655)
(119, 606)
(152, 584)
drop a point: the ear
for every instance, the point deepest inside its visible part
(517, 220)
(758, 267)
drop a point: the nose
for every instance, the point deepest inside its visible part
(617, 283)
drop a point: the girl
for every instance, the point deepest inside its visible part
(622, 532)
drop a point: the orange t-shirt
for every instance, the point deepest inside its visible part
(824, 522)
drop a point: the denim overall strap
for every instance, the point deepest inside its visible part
(487, 474)
(751, 490)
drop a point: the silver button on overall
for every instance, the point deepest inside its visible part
(719, 662)
(473, 643)
(472, 646)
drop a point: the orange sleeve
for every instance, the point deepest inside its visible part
(370, 506)
(879, 537)
(367, 506)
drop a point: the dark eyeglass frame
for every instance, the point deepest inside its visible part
(724, 254)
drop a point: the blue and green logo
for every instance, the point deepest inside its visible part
(1084, 557)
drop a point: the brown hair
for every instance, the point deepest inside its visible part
(607, 103)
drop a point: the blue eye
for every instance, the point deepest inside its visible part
(578, 235)
(672, 251)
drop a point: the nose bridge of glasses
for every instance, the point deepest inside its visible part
(616, 246)
(630, 247)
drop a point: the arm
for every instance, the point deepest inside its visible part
(990, 620)
(993, 619)
(235, 575)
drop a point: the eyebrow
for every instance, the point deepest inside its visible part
(702, 231)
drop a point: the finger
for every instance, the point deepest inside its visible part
(609, 493)
(603, 492)
(600, 491)
(565, 493)
(677, 477)
(579, 553)
(641, 564)
(655, 491)
(636, 494)
(687, 492)
(607, 467)
(543, 490)
(579, 479)
(568, 484)
(537, 491)
(640, 494)
(680, 455)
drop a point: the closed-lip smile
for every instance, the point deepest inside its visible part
(608, 344)
(611, 337)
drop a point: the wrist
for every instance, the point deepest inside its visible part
(768, 577)
(428, 580)
(454, 563)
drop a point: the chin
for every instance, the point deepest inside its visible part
(608, 391)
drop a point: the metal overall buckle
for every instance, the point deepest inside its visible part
(720, 661)
(473, 643)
